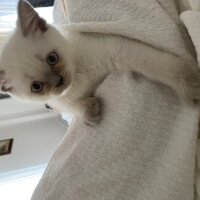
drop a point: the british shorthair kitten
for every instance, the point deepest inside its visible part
(62, 68)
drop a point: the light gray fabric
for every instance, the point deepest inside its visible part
(145, 146)
(143, 149)
(154, 22)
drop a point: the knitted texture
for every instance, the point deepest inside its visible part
(144, 147)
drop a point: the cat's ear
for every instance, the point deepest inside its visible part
(29, 20)
(4, 88)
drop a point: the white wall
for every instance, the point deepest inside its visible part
(36, 132)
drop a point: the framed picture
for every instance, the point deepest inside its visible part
(5, 146)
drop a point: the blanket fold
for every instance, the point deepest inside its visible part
(191, 20)
(154, 22)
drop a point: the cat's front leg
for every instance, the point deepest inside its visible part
(87, 108)
(90, 110)
(80, 101)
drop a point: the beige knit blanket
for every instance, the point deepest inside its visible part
(144, 148)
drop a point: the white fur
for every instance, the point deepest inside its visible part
(95, 56)
(89, 58)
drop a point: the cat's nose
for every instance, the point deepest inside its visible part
(54, 79)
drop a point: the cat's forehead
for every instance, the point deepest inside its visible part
(22, 54)
(23, 65)
(18, 45)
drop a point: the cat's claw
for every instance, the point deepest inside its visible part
(92, 114)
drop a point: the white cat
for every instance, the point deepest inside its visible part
(63, 70)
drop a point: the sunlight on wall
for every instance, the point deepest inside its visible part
(20, 189)
(20, 184)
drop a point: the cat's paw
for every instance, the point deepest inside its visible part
(92, 114)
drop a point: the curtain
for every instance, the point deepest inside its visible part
(7, 18)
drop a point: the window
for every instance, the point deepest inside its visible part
(18, 184)
(8, 16)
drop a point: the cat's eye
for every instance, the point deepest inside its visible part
(37, 86)
(52, 58)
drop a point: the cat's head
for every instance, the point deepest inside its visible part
(34, 62)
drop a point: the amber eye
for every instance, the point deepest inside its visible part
(52, 58)
(37, 86)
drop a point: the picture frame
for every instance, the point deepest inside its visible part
(6, 146)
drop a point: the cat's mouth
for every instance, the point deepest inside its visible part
(60, 82)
